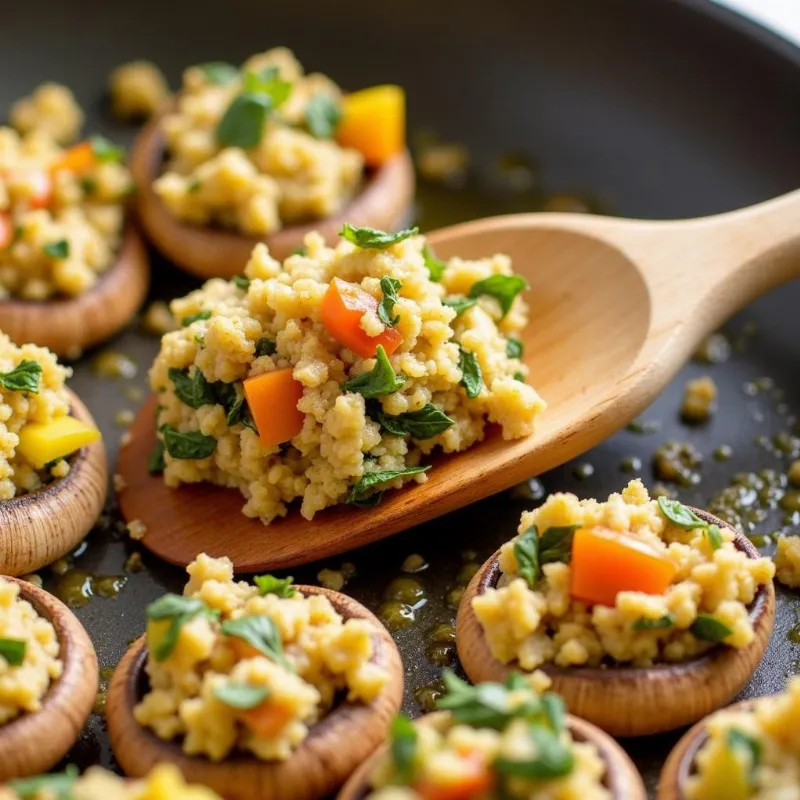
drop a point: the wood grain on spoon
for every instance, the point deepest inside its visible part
(616, 307)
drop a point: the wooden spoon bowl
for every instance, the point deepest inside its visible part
(70, 326)
(631, 701)
(39, 527)
(34, 743)
(383, 202)
(680, 763)
(622, 778)
(334, 747)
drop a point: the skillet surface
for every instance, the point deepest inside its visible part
(652, 108)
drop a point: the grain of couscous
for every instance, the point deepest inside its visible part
(50, 110)
(787, 561)
(685, 586)
(29, 655)
(355, 363)
(243, 667)
(138, 90)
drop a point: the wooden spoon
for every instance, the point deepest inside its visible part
(622, 777)
(39, 527)
(33, 743)
(383, 202)
(69, 326)
(631, 701)
(334, 747)
(679, 765)
(616, 307)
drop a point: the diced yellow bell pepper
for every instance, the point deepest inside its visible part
(165, 782)
(725, 775)
(374, 122)
(156, 631)
(42, 442)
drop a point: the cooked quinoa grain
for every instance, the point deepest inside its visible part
(546, 623)
(138, 90)
(50, 110)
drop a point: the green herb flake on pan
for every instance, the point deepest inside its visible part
(380, 380)
(25, 377)
(373, 239)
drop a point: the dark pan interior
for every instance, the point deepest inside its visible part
(658, 108)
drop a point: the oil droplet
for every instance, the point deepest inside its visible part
(426, 696)
(114, 365)
(530, 490)
(678, 462)
(791, 501)
(583, 471)
(454, 596)
(644, 426)
(716, 349)
(442, 655)
(444, 633)
(723, 453)
(414, 563)
(134, 393)
(124, 418)
(408, 591)
(631, 464)
(467, 572)
(77, 587)
(395, 615)
(794, 635)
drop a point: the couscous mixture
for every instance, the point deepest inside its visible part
(61, 213)
(243, 667)
(787, 561)
(29, 653)
(493, 740)
(678, 588)
(253, 149)
(165, 782)
(752, 754)
(330, 376)
(36, 432)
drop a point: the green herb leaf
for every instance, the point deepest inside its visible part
(58, 785)
(403, 738)
(242, 124)
(459, 304)
(514, 348)
(370, 501)
(195, 391)
(504, 289)
(187, 321)
(218, 72)
(555, 711)
(714, 536)
(552, 760)
(380, 380)
(247, 419)
(241, 696)
(526, 552)
(179, 610)
(373, 239)
(89, 185)
(299, 251)
(662, 623)
(58, 250)
(435, 266)
(260, 632)
(323, 115)
(519, 376)
(555, 544)
(370, 479)
(709, 629)
(105, 151)
(188, 444)
(13, 651)
(268, 83)
(751, 748)
(389, 287)
(424, 423)
(25, 377)
(680, 515)
(241, 282)
(194, 186)
(269, 584)
(235, 410)
(471, 374)
(155, 461)
(265, 347)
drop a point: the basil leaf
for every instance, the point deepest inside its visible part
(58, 785)
(662, 623)
(323, 116)
(58, 249)
(555, 544)
(260, 632)
(187, 321)
(435, 266)
(241, 696)
(247, 419)
(241, 282)
(155, 461)
(403, 748)
(471, 375)
(188, 444)
(389, 287)
(179, 610)
(299, 251)
(265, 347)
(504, 289)
(89, 185)
(370, 501)
(750, 747)
(555, 712)
(370, 479)
(242, 124)
(373, 239)
(459, 304)
(680, 515)
(25, 377)
(218, 72)
(709, 629)
(268, 83)
(195, 391)
(519, 376)
(424, 423)
(13, 651)
(714, 537)
(269, 584)
(514, 348)
(380, 380)
(105, 151)
(235, 410)
(552, 759)
(526, 552)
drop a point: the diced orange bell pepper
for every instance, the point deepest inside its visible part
(605, 563)
(273, 398)
(473, 780)
(342, 308)
(374, 122)
(42, 195)
(6, 230)
(77, 159)
(267, 719)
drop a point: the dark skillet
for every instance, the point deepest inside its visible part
(654, 108)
